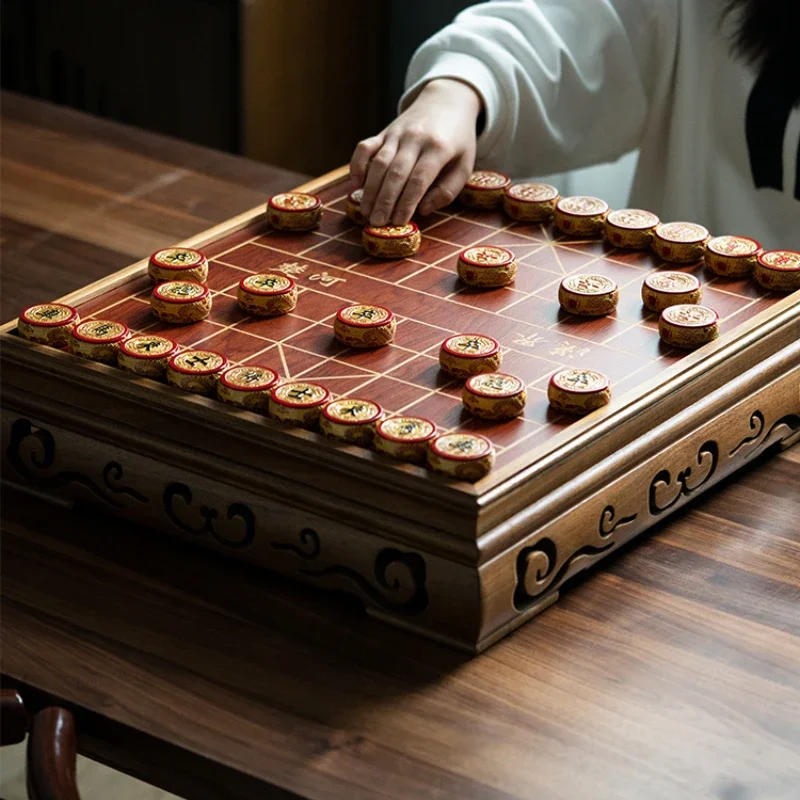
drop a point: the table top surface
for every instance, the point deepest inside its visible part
(669, 672)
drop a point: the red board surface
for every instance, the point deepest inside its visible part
(431, 303)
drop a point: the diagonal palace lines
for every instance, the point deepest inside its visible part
(537, 338)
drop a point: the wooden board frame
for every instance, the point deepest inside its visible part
(461, 563)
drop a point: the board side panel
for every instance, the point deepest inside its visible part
(429, 588)
(420, 586)
(597, 438)
(692, 455)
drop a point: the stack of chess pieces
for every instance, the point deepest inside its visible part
(180, 296)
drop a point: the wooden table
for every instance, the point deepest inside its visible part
(672, 672)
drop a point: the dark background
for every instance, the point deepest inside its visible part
(234, 75)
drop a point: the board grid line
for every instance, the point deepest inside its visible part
(552, 243)
(302, 356)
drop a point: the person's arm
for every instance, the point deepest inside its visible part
(563, 84)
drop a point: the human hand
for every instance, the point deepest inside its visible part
(422, 159)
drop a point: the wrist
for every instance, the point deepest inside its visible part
(455, 91)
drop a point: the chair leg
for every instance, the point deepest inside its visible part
(52, 748)
(13, 717)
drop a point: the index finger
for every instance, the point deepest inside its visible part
(362, 155)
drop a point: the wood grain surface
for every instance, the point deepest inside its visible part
(82, 197)
(670, 673)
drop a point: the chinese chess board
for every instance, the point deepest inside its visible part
(420, 549)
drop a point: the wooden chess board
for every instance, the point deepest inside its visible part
(461, 562)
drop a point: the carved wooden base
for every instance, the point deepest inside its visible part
(467, 592)
(461, 562)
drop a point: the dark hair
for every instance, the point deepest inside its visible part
(767, 38)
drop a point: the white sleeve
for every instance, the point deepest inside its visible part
(565, 83)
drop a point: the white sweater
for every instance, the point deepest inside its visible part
(570, 83)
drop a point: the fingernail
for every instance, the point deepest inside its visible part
(355, 182)
(424, 210)
(378, 220)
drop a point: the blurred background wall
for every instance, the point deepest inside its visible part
(290, 82)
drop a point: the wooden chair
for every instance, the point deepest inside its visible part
(52, 747)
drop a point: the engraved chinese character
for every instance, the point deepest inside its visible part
(103, 328)
(579, 380)
(325, 279)
(250, 376)
(364, 313)
(184, 290)
(266, 283)
(499, 384)
(528, 340)
(300, 394)
(146, 345)
(354, 410)
(292, 268)
(196, 360)
(294, 201)
(690, 316)
(486, 255)
(473, 345)
(590, 283)
(565, 349)
(670, 280)
(48, 313)
(463, 446)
